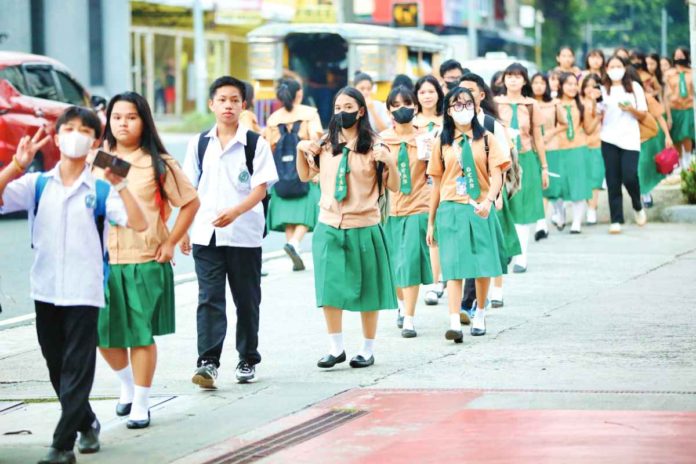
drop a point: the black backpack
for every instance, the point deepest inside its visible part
(249, 153)
(289, 184)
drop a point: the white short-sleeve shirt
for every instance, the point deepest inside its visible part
(68, 268)
(224, 183)
(499, 132)
(619, 127)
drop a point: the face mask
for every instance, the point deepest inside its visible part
(452, 84)
(403, 115)
(681, 62)
(616, 74)
(463, 117)
(346, 120)
(74, 144)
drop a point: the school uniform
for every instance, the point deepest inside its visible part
(302, 210)
(527, 204)
(140, 291)
(407, 226)
(648, 175)
(248, 119)
(67, 285)
(595, 162)
(681, 94)
(352, 268)
(470, 246)
(427, 123)
(550, 116)
(572, 153)
(232, 252)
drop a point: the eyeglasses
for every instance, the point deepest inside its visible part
(459, 106)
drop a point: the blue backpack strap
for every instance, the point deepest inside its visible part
(103, 188)
(41, 182)
(296, 127)
(203, 141)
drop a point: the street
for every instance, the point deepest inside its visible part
(590, 361)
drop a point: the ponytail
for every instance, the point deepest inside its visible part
(287, 91)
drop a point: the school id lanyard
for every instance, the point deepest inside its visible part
(469, 168)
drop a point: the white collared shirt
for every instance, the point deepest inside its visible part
(224, 183)
(620, 127)
(68, 267)
(500, 133)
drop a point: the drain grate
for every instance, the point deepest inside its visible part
(289, 437)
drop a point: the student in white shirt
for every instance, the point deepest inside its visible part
(69, 209)
(624, 105)
(228, 229)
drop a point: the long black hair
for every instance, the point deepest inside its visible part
(430, 79)
(626, 81)
(249, 93)
(488, 104)
(547, 93)
(402, 80)
(497, 88)
(638, 60)
(150, 141)
(518, 69)
(586, 82)
(595, 52)
(578, 101)
(287, 91)
(658, 69)
(406, 94)
(684, 51)
(447, 136)
(366, 136)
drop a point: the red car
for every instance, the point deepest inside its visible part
(34, 91)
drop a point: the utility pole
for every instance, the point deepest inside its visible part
(537, 36)
(472, 7)
(199, 57)
(663, 44)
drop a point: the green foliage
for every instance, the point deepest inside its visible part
(688, 183)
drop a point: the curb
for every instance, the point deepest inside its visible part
(682, 214)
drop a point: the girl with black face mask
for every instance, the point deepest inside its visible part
(351, 262)
(679, 98)
(408, 215)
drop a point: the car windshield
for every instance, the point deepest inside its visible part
(40, 82)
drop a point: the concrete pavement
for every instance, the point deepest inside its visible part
(600, 323)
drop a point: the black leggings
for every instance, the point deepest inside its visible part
(621, 168)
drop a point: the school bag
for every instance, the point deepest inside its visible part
(289, 184)
(103, 189)
(249, 153)
(513, 176)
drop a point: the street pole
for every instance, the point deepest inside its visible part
(663, 44)
(692, 37)
(199, 57)
(539, 20)
(472, 6)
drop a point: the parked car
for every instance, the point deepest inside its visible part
(34, 91)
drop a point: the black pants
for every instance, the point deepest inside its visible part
(242, 268)
(469, 293)
(621, 168)
(68, 339)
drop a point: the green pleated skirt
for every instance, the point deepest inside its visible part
(294, 211)
(511, 246)
(553, 158)
(648, 175)
(470, 246)
(527, 205)
(595, 168)
(139, 305)
(352, 268)
(408, 250)
(575, 178)
(682, 125)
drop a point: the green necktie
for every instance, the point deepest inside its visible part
(543, 132)
(515, 124)
(469, 169)
(683, 91)
(341, 183)
(404, 169)
(570, 131)
(430, 126)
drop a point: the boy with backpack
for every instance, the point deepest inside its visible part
(70, 212)
(232, 168)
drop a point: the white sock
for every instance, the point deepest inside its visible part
(336, 343)
(480, 312)
(368, 346)
(125, 375)
(295, 245)
(439, 287)
(141, 403)
(578, 214)
(455, 323)
(401, 306)
(496, 293)
(591, 215)
(523, 236)
(542, 225)
(408, 322)
(479, 321)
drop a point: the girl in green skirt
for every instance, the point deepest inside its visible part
(352, 269)
(648, 175)
(467, 169)
(521, 114)
(591, 93)
(140, 290)
(679, 96)
(293, 215)
(408, 213)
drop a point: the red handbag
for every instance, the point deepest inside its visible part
(667, 160)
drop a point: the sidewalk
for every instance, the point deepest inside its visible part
(600, 324)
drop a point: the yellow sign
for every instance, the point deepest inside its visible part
(405, 14)
(315, 11)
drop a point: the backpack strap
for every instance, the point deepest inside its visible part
(103, 188)
(203, 141)
(41, 182)
(250, 150)
(489, 123)
(487, 147)
(296, 127)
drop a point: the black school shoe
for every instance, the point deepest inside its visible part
(139, 424)
(297, 263)
(541, 235)
(455, 335)
(409, 333)
(56, 456)
(358, 362)
(88, 442)
(123, 409)
(330, 361)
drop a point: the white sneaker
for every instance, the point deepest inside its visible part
(615, 228)
(641, 217)
(431, 298)
(591, 216)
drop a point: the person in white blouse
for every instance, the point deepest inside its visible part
(623, 105)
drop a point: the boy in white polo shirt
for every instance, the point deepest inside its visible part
(232, 168)
(68, 210)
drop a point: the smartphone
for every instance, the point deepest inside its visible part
(118, 166)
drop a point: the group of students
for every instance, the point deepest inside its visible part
(439, 186)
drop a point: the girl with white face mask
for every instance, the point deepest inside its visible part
(624, 105)
(467, 167)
